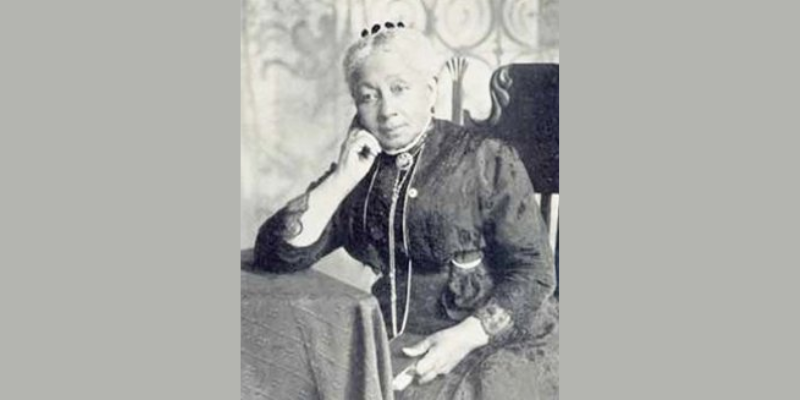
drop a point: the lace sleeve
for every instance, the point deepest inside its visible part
(517, 244)
(273, 252)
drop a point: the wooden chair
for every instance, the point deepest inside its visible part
(524, 113)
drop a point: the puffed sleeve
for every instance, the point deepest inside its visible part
(272, 251)
(517, 242)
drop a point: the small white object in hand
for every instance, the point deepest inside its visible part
(402, 380)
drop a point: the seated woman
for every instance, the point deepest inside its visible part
(448, 220)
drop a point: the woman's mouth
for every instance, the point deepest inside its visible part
(390, 129)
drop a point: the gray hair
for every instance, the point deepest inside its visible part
(411, 44)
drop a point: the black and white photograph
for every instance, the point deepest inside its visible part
(400, 199)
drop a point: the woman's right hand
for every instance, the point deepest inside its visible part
(357, 155)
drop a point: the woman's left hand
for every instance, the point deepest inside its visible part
(445, 349)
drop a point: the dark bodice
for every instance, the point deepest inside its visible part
(467, 198)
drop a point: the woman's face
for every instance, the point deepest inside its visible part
(394, 101)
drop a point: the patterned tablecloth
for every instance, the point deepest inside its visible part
(309, 336)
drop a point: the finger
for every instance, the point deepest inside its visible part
(361, 134)
(418, 349)
(364, 139)
(361, 139)
(372, 140)
(367, 153)
(356, 130)
(352, 133)
(372, 147)
(356, 144)
(365, 149)
(428, 363)
(449, 366)
(348, 140)
(429, 377)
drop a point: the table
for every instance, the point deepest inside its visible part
(310, 336)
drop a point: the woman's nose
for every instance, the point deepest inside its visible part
(388, 107)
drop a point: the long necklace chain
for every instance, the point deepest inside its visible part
(409, 170)
(398, 184)
(406, 171)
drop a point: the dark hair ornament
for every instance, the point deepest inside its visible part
(377, 28)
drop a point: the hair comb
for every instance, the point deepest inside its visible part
(377, 28)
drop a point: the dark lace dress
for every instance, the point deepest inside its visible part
(453, 231)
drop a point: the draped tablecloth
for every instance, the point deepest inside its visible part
(310, 336)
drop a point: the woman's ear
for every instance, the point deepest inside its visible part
(433, 91)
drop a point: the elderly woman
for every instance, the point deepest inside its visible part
(448, 220)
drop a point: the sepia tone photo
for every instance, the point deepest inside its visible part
(399, 199)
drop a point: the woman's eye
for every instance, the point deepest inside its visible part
(399, 88)
(367, 97)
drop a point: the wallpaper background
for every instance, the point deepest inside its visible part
(295, 105)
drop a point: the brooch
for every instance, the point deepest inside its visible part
(404, 161)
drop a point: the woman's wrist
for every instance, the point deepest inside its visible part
(475, 333)
(342, 183)
(335, 188)
(321, 204)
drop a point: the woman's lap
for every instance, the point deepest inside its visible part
(521, 369)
